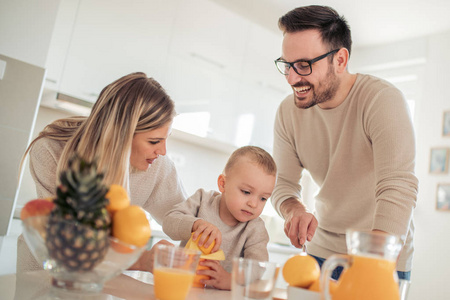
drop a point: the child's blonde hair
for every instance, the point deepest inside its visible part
(257, 155)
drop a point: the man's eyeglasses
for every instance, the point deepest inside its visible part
(301, 67)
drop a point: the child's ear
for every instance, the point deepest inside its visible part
(221, 183)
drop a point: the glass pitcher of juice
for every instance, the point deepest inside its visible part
(369, 268)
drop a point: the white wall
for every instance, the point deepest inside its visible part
(431, 268)
(26, 29)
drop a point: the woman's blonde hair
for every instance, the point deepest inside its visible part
(129, 105)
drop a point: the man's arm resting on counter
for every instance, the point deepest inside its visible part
(300, 224)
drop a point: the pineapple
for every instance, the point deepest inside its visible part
(79, 225)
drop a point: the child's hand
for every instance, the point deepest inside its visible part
(219, 278)
(209, 234)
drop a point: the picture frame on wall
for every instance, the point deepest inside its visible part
(443, 197)
(446, 124)
(439, 160)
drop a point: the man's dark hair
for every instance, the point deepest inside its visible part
(334, 28)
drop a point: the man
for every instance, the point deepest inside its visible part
(352, 132)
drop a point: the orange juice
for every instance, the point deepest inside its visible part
(368, 278)
(172, 284)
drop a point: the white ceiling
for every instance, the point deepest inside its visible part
(371, 21)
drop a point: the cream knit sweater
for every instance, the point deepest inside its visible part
(157, 189)
(361, 154)
(245, 239)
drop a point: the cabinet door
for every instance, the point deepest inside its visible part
(198, 88)
(112, 38)
(59, 45)
(263, 86)
(263, 47)
(209, 33)
(262, 102)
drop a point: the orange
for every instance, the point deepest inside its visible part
(198, 277)
(120, 247)
(301, 270)
(315, 286)
(202, 248)
(118, 198)
(131, 226)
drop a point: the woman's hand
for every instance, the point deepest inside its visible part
(146, 260)
(219, 278)
(209, 233)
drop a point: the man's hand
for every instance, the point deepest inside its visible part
(209, 233)
(300, 225)
(219, 278)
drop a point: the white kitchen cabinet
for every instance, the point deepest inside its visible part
(197, 87)
(26, 29)
(241, 98)
(60, 41)
(262, 101)
(224, 110)
(189, 84)
(263, 87)
(206, 32)
(208, 58)
(262, 48)
(113, 38)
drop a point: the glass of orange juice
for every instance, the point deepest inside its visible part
(174, 271)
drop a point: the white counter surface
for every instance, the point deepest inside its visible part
(132, 286)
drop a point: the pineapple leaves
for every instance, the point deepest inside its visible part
(81, 194)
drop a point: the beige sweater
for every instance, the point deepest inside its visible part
(247, 239)
(361, 154)
(157, 190)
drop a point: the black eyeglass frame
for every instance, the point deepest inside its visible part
(310, 62)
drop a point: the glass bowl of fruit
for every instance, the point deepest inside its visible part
(88, 233)
(76, 256)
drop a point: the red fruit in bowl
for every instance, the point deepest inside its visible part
(37, 207)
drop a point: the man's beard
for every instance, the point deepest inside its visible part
(327, 92)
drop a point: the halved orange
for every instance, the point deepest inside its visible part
(202, 248)
(198, 277)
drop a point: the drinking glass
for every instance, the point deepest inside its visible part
(252, 279)
(174, 271)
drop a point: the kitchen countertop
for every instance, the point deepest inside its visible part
(131, 285)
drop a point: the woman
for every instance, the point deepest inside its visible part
(127, 131)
